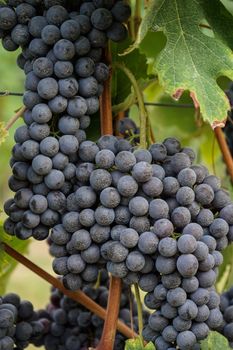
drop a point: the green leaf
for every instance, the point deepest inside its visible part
(225, 275)
(152, 50)
(221, 24)
(136, 62)
(192, 60)
(93, 132)
(215, 341)
(135, 344)
(8, 264)
(229, 5)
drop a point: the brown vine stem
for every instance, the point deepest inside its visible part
(110, 325)
(15, 117)
(225, 150)
(78, 296)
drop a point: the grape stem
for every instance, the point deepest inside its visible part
(9, 93)
(131, 309)
(131, 25)
(106, 101)
(152, 136)
(137, 16)
(142, 110)
(78, 296)
(15, 117)
(140, 313)
(110, 325)
(225, 150)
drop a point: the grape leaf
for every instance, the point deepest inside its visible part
(215, 341)
(135, 344)
(192, 60)
(93, 132)
(226, 268)
(8, 264)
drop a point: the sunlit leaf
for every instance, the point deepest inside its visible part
(192, 60)
(135, 344)
(215, 341)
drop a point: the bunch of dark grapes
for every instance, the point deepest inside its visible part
(125, 202)
(20, 325)
(186, 302)
(226, 307)
(62, 49)
(74, 327)
(228, 130)
(156, 220)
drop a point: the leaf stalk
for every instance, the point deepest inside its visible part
(140, 313)
(142, 110)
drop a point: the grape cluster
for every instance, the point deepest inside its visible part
(228, 130)
(125, 202)
(74, 327)
(19, 323)
(226, 307)
(186, 303)
(62, 48)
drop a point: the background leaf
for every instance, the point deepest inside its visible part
(215, 341)
(225, 275)
(135, 344)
